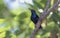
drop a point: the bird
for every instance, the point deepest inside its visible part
(34, 17)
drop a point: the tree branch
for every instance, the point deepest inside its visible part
(43, 16)
(47, 5)
(53, 33)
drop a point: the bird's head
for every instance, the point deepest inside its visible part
(31, 9)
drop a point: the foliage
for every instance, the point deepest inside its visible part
(17, 24)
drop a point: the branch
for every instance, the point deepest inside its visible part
(47, 5)
(43, 16)
(53, 33)
(45, 10)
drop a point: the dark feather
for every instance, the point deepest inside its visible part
(34, 17)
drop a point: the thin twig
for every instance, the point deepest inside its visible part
(47, 5)
(53, 33)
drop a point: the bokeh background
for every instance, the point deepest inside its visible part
(15, 19)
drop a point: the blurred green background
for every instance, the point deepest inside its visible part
(16, 23)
